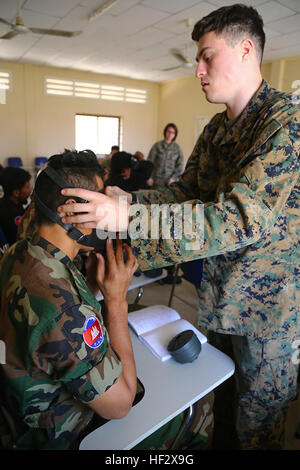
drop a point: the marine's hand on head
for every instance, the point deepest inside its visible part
(115, 191)
(101, 211)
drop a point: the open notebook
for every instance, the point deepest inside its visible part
(157, 325)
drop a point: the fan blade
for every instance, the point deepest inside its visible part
(55, 32)
(2, 20)
(172, 68)
(10, 35)
(176, 53)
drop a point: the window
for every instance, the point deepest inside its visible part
(5, 84)
(5, 80)
(97, 133)
(81, 89)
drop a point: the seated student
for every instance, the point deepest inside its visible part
(139, 155)
(17, 189)
(128, 173)
(63, 364)
(59, 374)
(106, 160)
(121, 164)
(142, 175)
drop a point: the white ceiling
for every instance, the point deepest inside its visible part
(134, 37)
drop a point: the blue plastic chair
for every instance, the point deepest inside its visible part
(39, 162)
(15, 162)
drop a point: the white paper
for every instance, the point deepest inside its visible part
(157, 325)
(150, 318)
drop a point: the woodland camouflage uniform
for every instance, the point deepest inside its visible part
(246, 173)
(50, 373)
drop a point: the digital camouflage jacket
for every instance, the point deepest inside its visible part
(58, 355)
(167, 162)
(246, 173)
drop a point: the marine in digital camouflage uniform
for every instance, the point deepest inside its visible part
(50, 370)
(246, 172)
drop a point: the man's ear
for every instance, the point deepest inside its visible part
(247, 49)
(70, 201)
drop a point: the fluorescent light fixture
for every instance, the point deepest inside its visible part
(99, 11)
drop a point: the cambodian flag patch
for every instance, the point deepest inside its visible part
(92, 333)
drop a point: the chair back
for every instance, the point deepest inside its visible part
(15, 162)
(39, 162)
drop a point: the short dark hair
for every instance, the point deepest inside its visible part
(171, 124)
(121, 160)
(115, 147)
(13, 178)
(77, 168)
(233, 21)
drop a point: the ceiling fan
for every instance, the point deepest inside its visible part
(19, 28)
(185, 61)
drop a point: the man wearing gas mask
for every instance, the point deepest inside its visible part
(64, 364)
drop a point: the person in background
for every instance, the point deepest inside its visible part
(139, 155)
(105, 162)
(244, 174)
(142, 175)
(121, 166)
(167, 158)
(16, 187)
(128, 173)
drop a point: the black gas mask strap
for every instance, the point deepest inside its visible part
(73, 232)
(88, 240)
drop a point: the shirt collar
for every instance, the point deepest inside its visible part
(235, 130)
(55, 252)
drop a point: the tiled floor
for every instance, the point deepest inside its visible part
(185, 302)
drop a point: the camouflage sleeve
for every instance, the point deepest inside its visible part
(75, 349)
(248, 208)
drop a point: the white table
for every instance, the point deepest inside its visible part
(170, 388)
(137, 282)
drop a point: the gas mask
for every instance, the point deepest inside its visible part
(96, 239)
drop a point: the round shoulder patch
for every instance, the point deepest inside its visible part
(92, 333)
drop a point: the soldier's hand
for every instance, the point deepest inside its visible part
(115, 191)
(114, 274)
(101, 211)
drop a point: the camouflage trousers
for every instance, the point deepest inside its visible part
(197, 437)
(250, 408)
